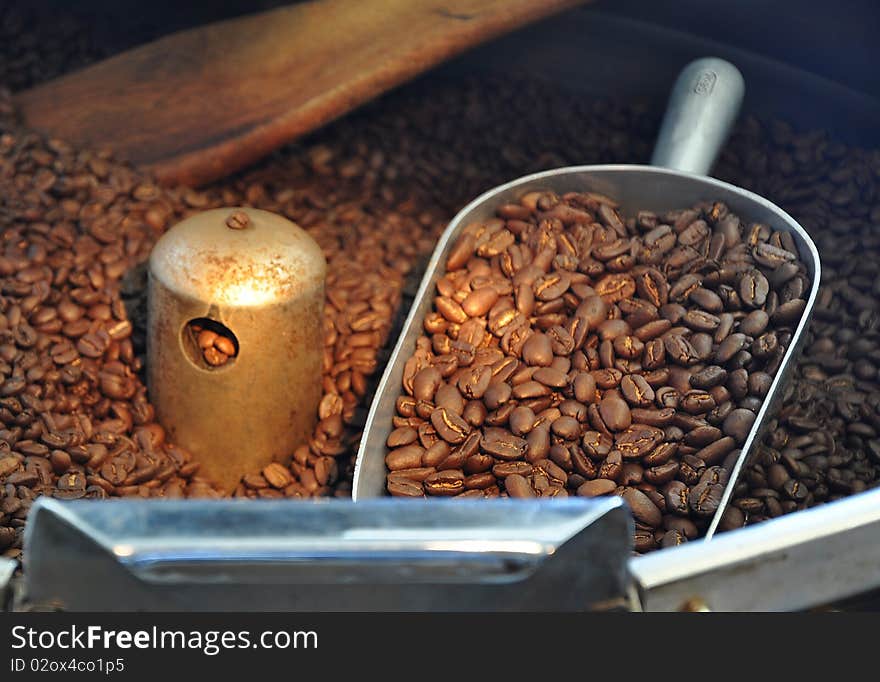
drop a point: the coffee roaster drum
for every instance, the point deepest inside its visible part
(210, 554)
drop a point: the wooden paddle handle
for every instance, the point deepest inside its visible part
(199, 104)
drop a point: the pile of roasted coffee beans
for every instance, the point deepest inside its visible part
(825, 441)
(75, 421)
(374, 190)
(571, 351)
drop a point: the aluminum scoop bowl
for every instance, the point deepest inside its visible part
(703, 105)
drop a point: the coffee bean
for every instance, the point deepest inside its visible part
(584, 467)
(644, 541)
(425, 383)
(754, 323)
(450, 310)
(731, 519)
(405, 488)
(505, 469)
(738, 424)
(502, 444)
(730, 347)
(550, 377)
(700, 320)
(538, 441)
(753, 289)
(613, 288)
(672, 538)
(652, 286)
(612, 467)
(637, 441)
(680, 350)
(566, 428)
(517, 486)
(522, 420)
(402, 436)
(597, 445)
(697, 402)
(795, 490)
(444, 483)
(628, 347)
(478, 463)
(597, 487)
(479, 481)
(326, 471)
(551, 286)
(94, 344)
(715, 452)
(609, 330)
(706, 299)
(707, 378)
(475, 381)
(650, 331)
(607, 378)
(661, 454)
(450, 427)
(277, 475)
(594, 309)
(225, 345)
(480, 301)
(636, 390)
(705, 497)
(60, 460)
(790, 312)
(406, 457)
(615, 413)
(584, 387)
(777, 476)
(676, 495)
(531, 390)
(642, 508)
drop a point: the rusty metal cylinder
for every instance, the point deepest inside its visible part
(234, 346)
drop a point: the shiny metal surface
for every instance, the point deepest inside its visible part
(333, 556)
(269, 261)
(265, 284)
(703, 105)
(803, 560)
(411, 555)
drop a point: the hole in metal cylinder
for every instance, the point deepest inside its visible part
(209, 344)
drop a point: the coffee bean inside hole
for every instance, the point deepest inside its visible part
(209, 344)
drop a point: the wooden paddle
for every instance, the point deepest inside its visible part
(202, 103)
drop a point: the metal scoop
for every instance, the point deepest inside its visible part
(703, 106)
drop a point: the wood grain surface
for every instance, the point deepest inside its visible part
(199, 104)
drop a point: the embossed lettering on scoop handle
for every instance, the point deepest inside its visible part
(703, 106)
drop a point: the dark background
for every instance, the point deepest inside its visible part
(837, 40)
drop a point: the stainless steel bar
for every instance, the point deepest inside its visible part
(332, 556)
(798, 561)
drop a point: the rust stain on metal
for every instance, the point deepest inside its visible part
(271, 274)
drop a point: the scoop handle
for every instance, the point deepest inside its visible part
(702, 108)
